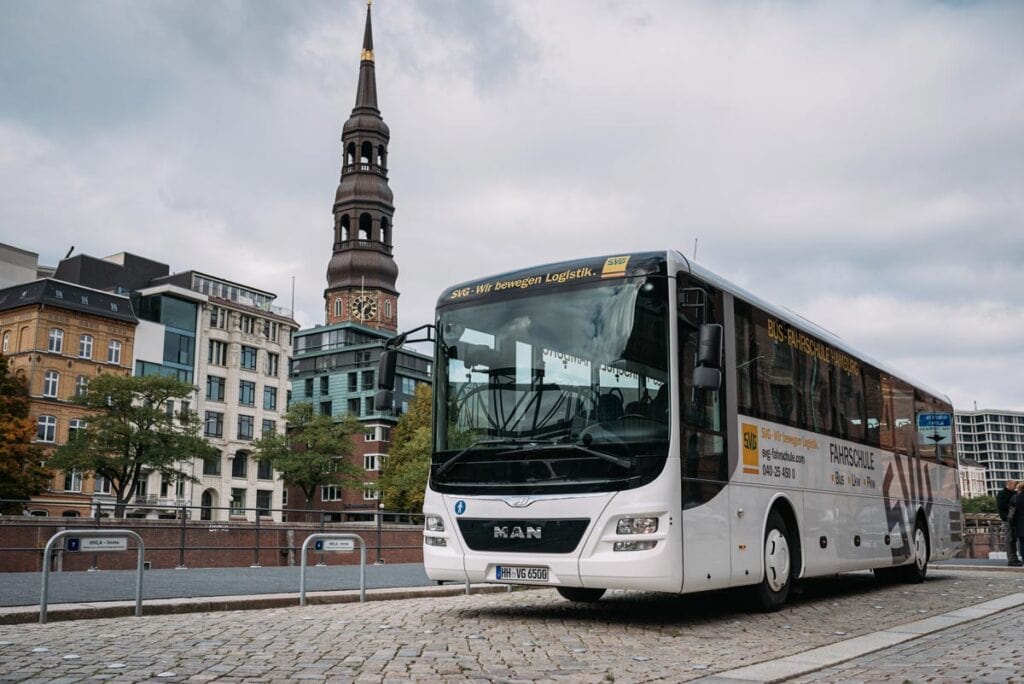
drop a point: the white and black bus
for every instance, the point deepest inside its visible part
(637, 422)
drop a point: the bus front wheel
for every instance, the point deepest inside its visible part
(772, 592)
(581, 595)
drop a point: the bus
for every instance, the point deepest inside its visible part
(637, 422)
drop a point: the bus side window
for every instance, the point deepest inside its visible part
(748, 398)
(904, 417)
(873, 404)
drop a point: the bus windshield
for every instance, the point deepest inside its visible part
(556, 391)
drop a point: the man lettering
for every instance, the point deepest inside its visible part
(1003, 500)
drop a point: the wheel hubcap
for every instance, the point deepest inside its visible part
(920, 549)
(776, 560)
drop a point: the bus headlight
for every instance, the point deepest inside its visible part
(637, 526)
(634, 545)
(435, 541)
(434, 523)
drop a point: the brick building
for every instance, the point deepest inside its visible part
(58, 336)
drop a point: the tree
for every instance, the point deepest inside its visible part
(403, 478)
(980, 504)
(314, 452)
(22, 474)
(131, 433)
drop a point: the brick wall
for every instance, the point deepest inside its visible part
(207, 544)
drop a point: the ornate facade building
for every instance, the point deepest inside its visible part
(57, 337)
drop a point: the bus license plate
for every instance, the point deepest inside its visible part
(518, 573)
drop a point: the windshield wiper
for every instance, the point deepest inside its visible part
(446, 466)
(623, 463)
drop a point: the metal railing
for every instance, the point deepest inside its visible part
(292, 526)
(327, 537)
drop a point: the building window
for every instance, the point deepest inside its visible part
(46, 429)
(269, 428)
(263, 499)
(214, 388)
(7, 341)
(325, 385)
(353, 382)
(353, 406)
(55, 343)
(326, 408)
(85, 346)
(337, 307)
(72, 481)
(387, 308)
(273, 364)
(76, 425)
(50, 382)
(247, 393)
(101, 485)
(248, 357)
(370, 492)
(81, 385)
(367, 380)
(248, 324)
(214, 424)
(245, 427)
(240, 464)
(309, 387)
(218, 317)
(368, 402)
(263, 470)
(237, 502)
(211, 466)
(114, 352)
(371, 462)
(270, 398)
(218, 354)
(330, 493)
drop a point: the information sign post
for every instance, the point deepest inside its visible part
(333, 541)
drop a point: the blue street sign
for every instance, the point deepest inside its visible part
(460, 507)
(318, 545)
(934, 420)
(74, 544)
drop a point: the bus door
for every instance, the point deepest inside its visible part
(702, 450)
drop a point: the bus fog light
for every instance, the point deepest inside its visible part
(634, 545)
(637, 526)
(434, 523)
(435, 541)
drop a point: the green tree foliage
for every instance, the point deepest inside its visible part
(21, 472)
(980, 504)
(314, 452)
(131, 433)
(403, 478)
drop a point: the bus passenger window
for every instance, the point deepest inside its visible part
(873, 404)
(903, 417)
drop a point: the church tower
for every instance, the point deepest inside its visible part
(362, 272)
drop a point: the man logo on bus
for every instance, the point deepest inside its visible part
(750, 452)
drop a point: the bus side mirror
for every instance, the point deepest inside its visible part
(709, 346)
(707, 375)
(384, 400)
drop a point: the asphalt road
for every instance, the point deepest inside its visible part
(23, 588)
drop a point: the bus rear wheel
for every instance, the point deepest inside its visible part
(917, 570)
(581, 595)
(772, 592)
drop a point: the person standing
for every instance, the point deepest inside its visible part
(1003, 500)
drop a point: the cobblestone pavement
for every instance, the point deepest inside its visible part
(522, 636)
(987, 650)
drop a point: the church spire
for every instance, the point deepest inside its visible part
(362, 274)
(366, 94)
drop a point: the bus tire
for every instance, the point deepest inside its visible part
(581, 595)
(777, 556)
(918, 568)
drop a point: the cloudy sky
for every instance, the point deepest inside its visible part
(859, 162)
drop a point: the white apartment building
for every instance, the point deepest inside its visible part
(995, 440)
(242, 360)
